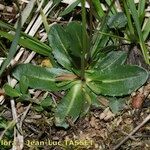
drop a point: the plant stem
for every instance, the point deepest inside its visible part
(91, 31)
(129, 21)
(43, 16)
(113, 36)
(84, 40)
(103, 28)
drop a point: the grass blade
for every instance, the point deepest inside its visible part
(6, 26)
(26, 12)
(13, 47)
(97, 6)
(130, 25)
(44, 18)
(31, 44)
(113, 8)
(146, 29)
(70, 8)
(141, 10)
(84, 41)
(138, 28)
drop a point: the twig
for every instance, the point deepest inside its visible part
(134, 131)
(18, 138)
(14, 113)
(24, 114)
(125, 133)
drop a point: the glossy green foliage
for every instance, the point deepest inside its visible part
(108, 76)
(74, 31)
(20, 92)
(111, 60)
(10, 91)
(66, 43)
(116, 81)
(117, 21)
(70, 106)
(58, 40)
(24, 83)
(38, 77)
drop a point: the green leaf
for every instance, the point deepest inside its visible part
(3, 123)
(30, 43)
(13, 48)
(56, 2)
(36, 46)
(99, 42)
(25, 97)
(90, 99)
(38, 108)
(44, 104)
(87, 102)
(47, 102)
(70, 106)
(117, 81)
(70, 8)
(59, 41)
(10, 91)
(101, 54)
(141, 10)
(24, 83)
(112, 59)
(93, 97)
(39, 77)
(146, 29)
(6, 26)
(74, 31)
(98, 8)
(116, 104)
(130, 28)
(134, 14)
(27, 41)
(113, 8)
(65, 85)
(26, 12)
(117, 21)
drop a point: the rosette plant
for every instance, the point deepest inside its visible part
(79, 71)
